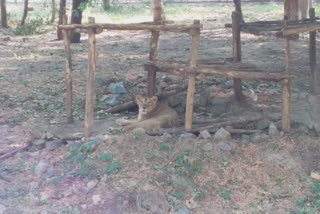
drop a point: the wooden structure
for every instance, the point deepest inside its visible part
(158, 25)
(287, 29)
(235, 69)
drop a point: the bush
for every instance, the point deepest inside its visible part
(34, 26)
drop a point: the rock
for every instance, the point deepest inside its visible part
(315, 176)
(96, 199)
(245, 138)
(154, 202)
(186, 136)
(227, 84)
(263, 124)
(223, 146)
(183, 210)
(90, 185)
(222, 135)
(306, 110)
(41, 168)
(54, 144)
(166, 136)
(207, 147)
(205, 134)
(49, 136)
(39, 143)
(114, 100)
(259, 138)
(2, 209)
(273, 130)
(117, 88)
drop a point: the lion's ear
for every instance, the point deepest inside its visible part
(139, 98)
(154, 99)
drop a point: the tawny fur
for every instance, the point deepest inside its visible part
(152, 115)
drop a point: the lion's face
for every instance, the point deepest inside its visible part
(146, 104)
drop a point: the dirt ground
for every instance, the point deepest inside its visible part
(117, 172)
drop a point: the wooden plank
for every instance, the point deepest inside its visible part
(286, 91)
(90, 94)
(192, 77)
(69, 99)
(236, 35)
(154, 44)
(238, 70)
(301, 28)
(150, 27)
(313, 56)
(286, 97)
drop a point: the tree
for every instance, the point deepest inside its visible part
(25, 12)
(291, 9)
(106, 4)
(4, 20)
(76, 18)
(53, 12)
(62, 12)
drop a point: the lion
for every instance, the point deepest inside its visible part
(152, 115)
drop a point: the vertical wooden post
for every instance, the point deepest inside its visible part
(313, 56)
(154, 44)
(286, 90)
(192, 76)
(90, 81)
(236, 43)
(66, 43)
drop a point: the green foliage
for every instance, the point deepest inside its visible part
(165, 147)
(180, 195)
(310, 204)
(88, 164)
(137, 135)
(33, 26)
(105, 157)
(186, 166)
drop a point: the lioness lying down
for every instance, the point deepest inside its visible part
(152, 115)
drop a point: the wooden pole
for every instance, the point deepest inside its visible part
(286, 91)
(192, 76)
(236, 35)
(90, 81)
(154, 44)
(66, 43)
(313, 56)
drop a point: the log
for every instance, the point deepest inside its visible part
(69, 98)
(239, 71)
(192, 76)
(236, 35)
(313, 56)
(167, 28)
(15, 151)
(90, 94)
(211, 128)
(132, 104)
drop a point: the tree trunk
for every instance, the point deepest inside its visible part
(76, 17)
(25, 12)
(4, 20)
(237, 4)
(106, 4)
(291, 9)
(53, 12)
(62, 12)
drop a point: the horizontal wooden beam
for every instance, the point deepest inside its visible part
(150, 27)
(234, 70)
(300, 28)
